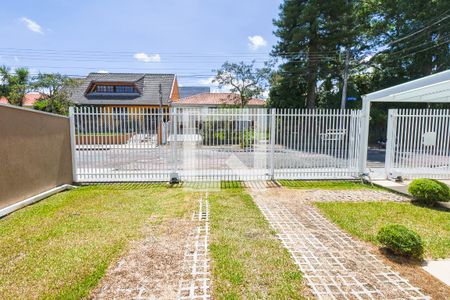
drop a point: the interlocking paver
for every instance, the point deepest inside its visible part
(335, 265)
(195, 282)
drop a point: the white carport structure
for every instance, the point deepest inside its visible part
(431, 89)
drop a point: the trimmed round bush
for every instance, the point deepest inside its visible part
(401, 241)
(429, 191)
(446, 188)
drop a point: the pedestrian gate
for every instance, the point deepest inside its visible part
(418, 143)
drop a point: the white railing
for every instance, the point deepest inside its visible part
(418, 143)
(120, 144)
(139, 144)
(316, 144)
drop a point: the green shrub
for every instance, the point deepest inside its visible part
(401, 240)
(446, 188)
(429, 191)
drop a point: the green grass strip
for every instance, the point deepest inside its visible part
(248, 261)
(364, 220)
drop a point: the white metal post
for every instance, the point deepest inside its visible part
(390, 141)
(272, 144)
(173, 119)
(72, 143)
(365, 120)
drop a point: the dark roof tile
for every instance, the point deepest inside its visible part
(147, 83)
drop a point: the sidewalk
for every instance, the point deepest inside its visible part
(399, 187)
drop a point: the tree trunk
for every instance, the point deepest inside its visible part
(242, 101)
(311, 78)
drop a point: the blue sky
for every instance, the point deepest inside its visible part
(185, 37)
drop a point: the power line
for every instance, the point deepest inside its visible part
(174, 54)
(437, 45)
(409, 48)
(420, 30)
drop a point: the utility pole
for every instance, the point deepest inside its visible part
(344, 87)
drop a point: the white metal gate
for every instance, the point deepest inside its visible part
(196, 144)
(418, 143)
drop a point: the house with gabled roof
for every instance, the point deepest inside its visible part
(127, 90)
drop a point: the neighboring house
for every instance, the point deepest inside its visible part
(31, 98)
(186, 91)
(28, 100)
(217, 100)
(126, 90)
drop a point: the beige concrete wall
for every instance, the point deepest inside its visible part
(35, 153)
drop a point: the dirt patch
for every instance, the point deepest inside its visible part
(415, 274)
(152, 267)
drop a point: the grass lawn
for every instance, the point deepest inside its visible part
(61, 246)
(363, 220)
(326, 185)
(248, 262)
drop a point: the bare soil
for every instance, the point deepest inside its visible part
(151, 269)
(417, 276)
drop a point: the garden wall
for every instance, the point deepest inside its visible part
(35, 153)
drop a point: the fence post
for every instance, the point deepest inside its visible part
(272, 144)
(174, 178)
(390, 141)
(72, 143)
(364, 141)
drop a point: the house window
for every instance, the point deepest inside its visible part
(104, 89)
(115, 89)
(125, 89)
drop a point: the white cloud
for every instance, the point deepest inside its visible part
(207, 81)
(141, 56)
(32, 25)
(102, 71)
(16, 59)
(256, 42)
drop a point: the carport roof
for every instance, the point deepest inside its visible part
(433, 88)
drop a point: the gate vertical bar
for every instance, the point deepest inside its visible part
(272, 145)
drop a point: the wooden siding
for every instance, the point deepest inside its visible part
(175, 91)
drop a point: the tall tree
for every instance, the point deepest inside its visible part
(313, 39)
(57, 89)
(245, 80)
(14, 86)
(415, 36)
(412, 42)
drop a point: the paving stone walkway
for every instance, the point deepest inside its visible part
(335, 266)
(195, 282)
(349, 196)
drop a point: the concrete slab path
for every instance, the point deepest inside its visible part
(439, 269)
